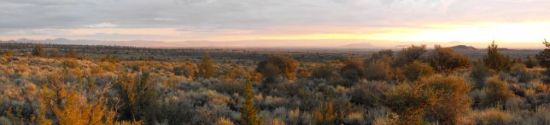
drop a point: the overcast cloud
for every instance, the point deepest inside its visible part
(200, 19)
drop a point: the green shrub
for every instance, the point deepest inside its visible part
(495, 60)
(248, 111)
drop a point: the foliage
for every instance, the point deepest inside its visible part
(452, 92)
(38, 51)
(379, 70)
(353, 71)
(409, 102)
(445, 59)
(544, 56)
(416, 70)
(278, 66)
(138, 95)
(248, 111)
(497, 92)
(495, 60)
(207, 67)
(71, 53)
(410, 54)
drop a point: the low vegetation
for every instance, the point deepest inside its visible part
(413, 86)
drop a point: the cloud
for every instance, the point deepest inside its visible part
(205, 19)
(102, 25)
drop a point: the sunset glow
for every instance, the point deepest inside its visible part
(378, 22)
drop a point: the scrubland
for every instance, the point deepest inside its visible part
(411, 86)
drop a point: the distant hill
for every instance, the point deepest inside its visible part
(463, 48)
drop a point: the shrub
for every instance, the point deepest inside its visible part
(409, 102)
(479, 74)
(495, 60)
(445, 59)
(493, 116)
(325, 114)
(327, 72)
(187, 69)
(248, 111)
(452, 98)
(71, 53)
(519, 70)
(380, 55)
(224, 121)
(416, 70)
(138, 95)
(379, 70)
(497, 92)
(8, 53)
(69, 107)
(38, 51)
(369, 94)
(352, 71)
(207, 67)
(278, 66)
(410, 54)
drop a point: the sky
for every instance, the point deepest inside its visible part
(381, 23)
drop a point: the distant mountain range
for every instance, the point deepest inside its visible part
(204, 44)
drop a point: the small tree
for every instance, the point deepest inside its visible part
(495, 60)
(544, 60)
(207, 67)
(544, 56)
(248, 111)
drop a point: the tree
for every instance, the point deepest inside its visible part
(207, 67)
(544, 59)
(248, 111)
(495, 60)
(544, 56)
(38, 51)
